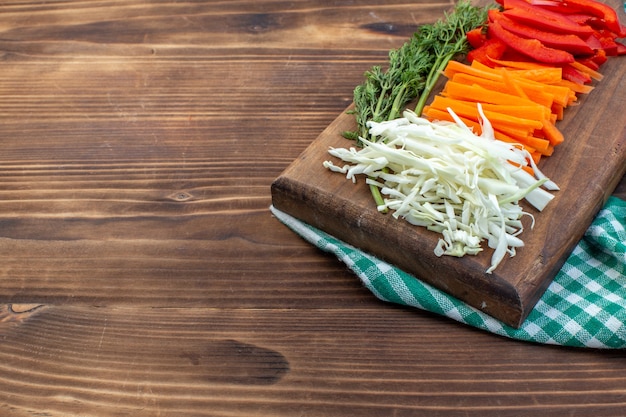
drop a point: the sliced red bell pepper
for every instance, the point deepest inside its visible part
(566, 42)
(621, 49)
(600, 10)
(597, 60)
(599, 57)
(586, 19)
(590, 63)
(557, 7)
(607, 42)
(572, 74)
(524, 12)
(529, 47)
(594, 42)
(476, 37)
(492, 48)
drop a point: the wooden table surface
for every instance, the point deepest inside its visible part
(141, 271)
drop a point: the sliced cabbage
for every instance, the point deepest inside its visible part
(442, 176)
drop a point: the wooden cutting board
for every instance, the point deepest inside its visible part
(587, 167)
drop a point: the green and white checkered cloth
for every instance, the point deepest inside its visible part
(585, 305)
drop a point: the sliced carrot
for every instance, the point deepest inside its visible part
(536, 158)
(513, 86)
(513, 132)
(527, 168)
(544, 75)
(551, 133)
(523, 101)
(541, 145)
(504, 138)
(466, 109)
(549, 151)
(435, 114)
(518, 64)
(534, 92)
(513, 105)
(561, 94)
(575, 87)
(455, 67)
(587, 70)
(558, 111)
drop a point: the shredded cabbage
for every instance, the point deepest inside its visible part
(442, 176)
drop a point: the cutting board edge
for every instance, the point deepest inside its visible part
(502, 301)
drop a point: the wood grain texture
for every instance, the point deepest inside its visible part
(268, 362)
(141, 272)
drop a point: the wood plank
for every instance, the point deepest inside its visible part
(139, 142)
(587, 168)
(111, 361)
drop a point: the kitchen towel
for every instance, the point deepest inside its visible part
(584, 306)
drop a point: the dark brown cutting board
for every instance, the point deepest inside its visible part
(587, 167)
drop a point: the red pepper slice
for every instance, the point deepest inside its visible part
(566, 42)
(590, 63)
(572, 74)
(524, 12)
(596, 61)
(492, 48)
(529, 47)
(607, 42)
(601, 10)
(594, 42)
(600, 57)
(558, 7)
(586, 19)
(476, 37)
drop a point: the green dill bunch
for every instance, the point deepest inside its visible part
(413, 69)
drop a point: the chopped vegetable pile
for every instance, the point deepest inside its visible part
(459, 164)
(442, 176)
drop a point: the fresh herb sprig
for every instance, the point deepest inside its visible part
(414, 68)
(450, 41)
(413, 71)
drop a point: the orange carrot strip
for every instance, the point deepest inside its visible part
(512, 85)
(577, 88)
(436, 114)
(549, 151)
(516, 132)
(523, 142)
(546, 76)
(534, 92)
(558, 111)
(455, 67)
(552, 133)
(543, 75)
(486, 73)
(517, 64)
(467, 108)
(536, 157)
(539, 144)
(553, 118)
(477, 93)
(526, 168)
(562, 94)
(502, 132)
(589, 71)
